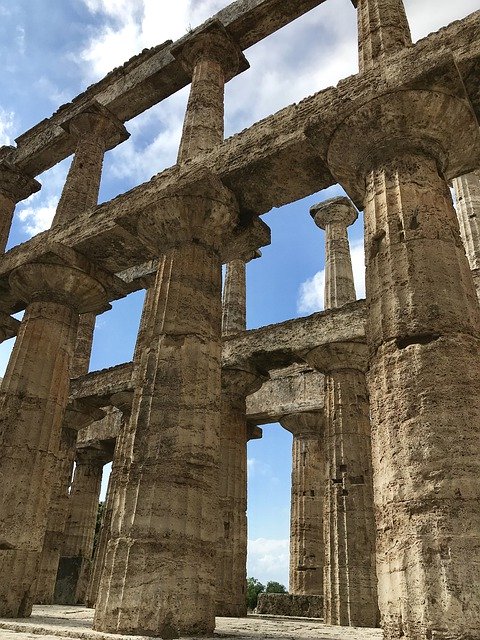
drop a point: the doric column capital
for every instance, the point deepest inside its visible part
(339, 356)
(420, 122)
(98, 121)
(212, 43)
(241, 382)
(38, 282)
(336, 210)
(14, 184)
(305, 424)
(254, 432)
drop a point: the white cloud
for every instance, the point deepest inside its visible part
(310, 295)
(268, 560)
(7, 123)
(256, 468)
(38, 218)
(36, 213)
(135, 25)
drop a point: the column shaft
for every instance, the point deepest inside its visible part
(77, 548)
(234, 310)
(160, 565)
(232, 544)
(383, 30)
(350, 579)
(467, 189)
(425, 403)
(306, 515)
(57, 516)
(204, 120)
(34, 395)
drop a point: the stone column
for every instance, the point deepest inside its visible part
(234, 308)
(423, 332)
(57, 515)
(349, 526)
(232, 544)
(33, 398)
(306, 514)
(95, 130)
(467, 189)
(335, 216)
(77, 549)
(159, 576)
(383, 30)
(350, 586)
(14, 186)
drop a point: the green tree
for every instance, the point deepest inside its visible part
(254, 587)
(275, 587)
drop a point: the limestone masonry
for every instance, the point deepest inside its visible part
(382, 396)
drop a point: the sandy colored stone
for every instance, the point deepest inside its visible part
(34, 396)
(306, 512)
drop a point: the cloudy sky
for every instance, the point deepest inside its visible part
(52, 49)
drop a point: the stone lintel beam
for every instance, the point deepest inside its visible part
(113, 386)
(283, 344)
(8, 326)
(289, 391)
(149, 78)
(105, 430)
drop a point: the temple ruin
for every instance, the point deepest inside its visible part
(382, 396)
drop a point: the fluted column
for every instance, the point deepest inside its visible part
(467, 189)
(232, 543)
(95, 129)
(159, 575)
(335, 216)
(77, 549)
(383, 30)
(34, 395)
(57, 515)
(14, 186)
(423, 328)
(350, 587)
(234, 307)
(306, 513)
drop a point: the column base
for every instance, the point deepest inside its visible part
(287, 604)
(17, 593)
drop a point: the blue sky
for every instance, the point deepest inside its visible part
(52, 49)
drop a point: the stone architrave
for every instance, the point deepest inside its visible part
(95, 130)
(467, 189)
(306, 514)
(77, 549)
(393, 154)
(14, 186)
(335, 216)
(33, 398)
(160, 568)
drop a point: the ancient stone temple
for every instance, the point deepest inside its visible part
(382, 396)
